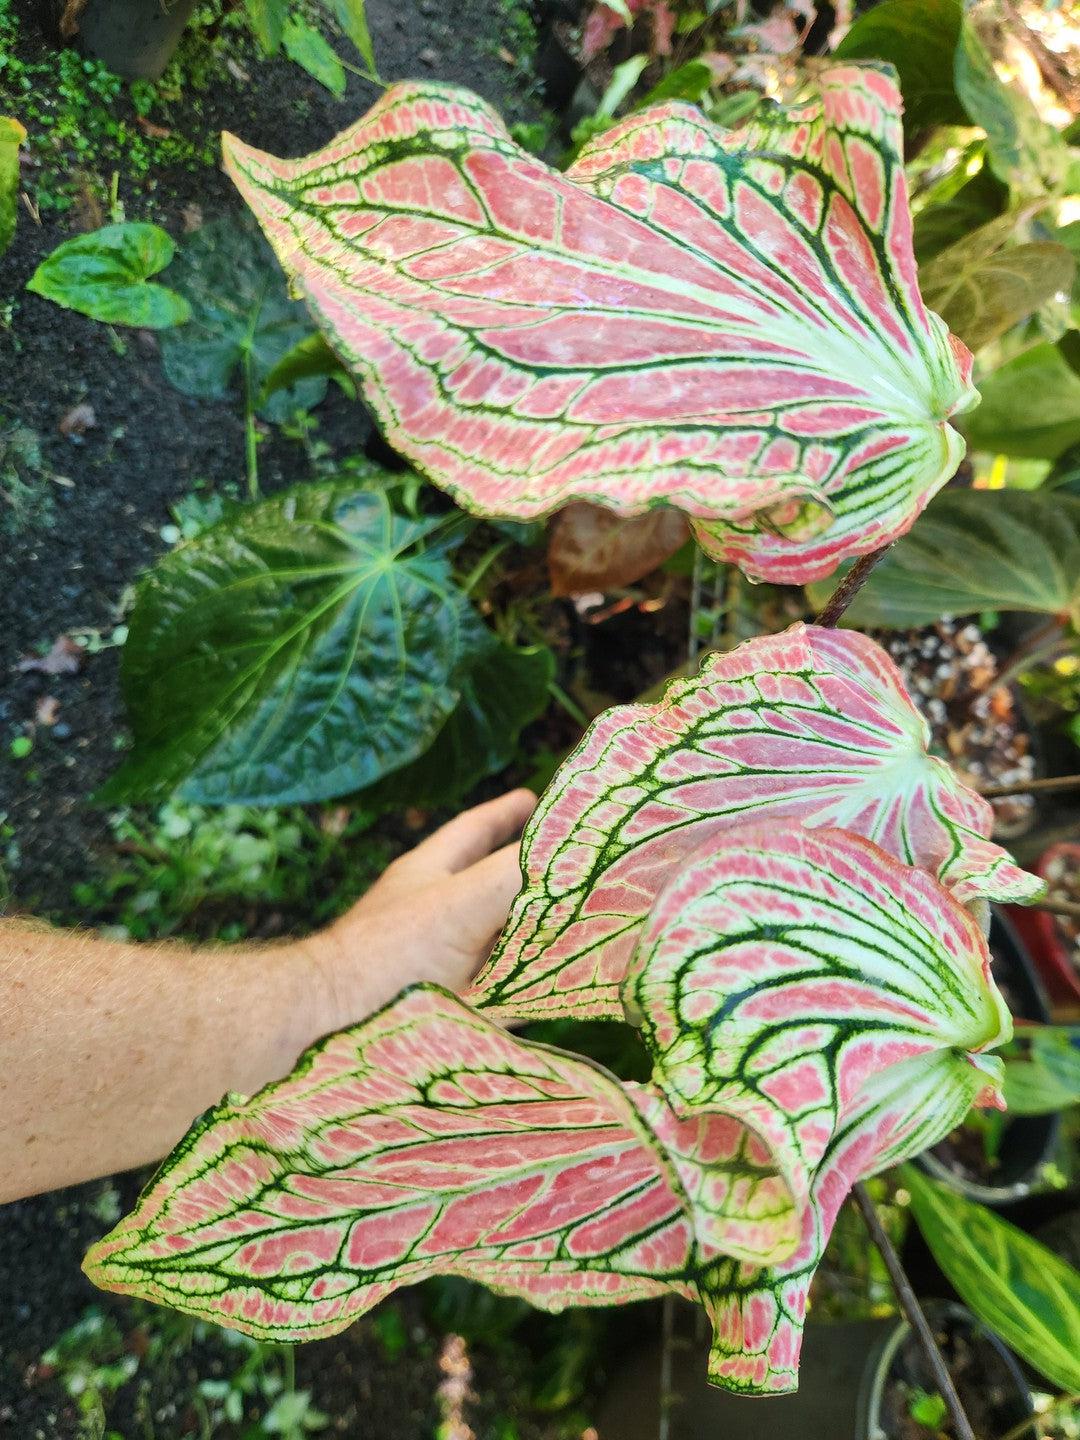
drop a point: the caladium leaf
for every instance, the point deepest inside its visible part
(724, 321)
(812, 725)
(758, 1312)
(782, 966)
(429, 1141)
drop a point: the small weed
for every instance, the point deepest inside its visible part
(177, 867)
(26, 500)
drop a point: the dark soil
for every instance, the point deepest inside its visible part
(991, 1392)
(149, 447)
(151, 444)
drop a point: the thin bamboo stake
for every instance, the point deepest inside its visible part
(1031, 787)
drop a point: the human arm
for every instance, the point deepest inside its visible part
(109, 1050)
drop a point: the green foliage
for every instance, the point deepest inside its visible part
(26, 500)
(242, 321)
(12, 136)
(308, 357)
(189, 869)
(976, 550)
(1030, 406)
(928, 1409)
(919, 38)
(1020, 1289)
(308, 48)
(350, 652)
(106, 275)
(981, 285)
(1047, 1078)
(1024, 151)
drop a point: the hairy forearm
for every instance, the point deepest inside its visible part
(108, 1051)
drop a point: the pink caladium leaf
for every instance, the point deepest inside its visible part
(783, 968)
(757, 1312)
(728, 322)
(428, 1141)
(812, 725)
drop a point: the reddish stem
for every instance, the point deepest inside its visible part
(850, 586)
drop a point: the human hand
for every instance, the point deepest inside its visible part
(432, 915)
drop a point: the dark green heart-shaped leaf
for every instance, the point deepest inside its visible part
(242, 320)
(983, 285)
(1025, 1293)
(918, 37)
(12, 136)
(1030, 407)
(303, 648)
(309, 49)
(105, 275)
(502, 689)
(976, 550)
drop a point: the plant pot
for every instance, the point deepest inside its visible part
(134, 38)
(1043, 935)
(1029, 1142)
(848, 1381)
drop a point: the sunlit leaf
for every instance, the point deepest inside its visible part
(983, 284)
(1024, 150)
(1020, 550)
(725, 321)
(1048, 1078)
(918, 37)
(267, 20)
(351, 15)
(592, 549)
(307, 47)
(242, 321)
(302, 648)
(1020, 1289)
(812, 725)
(12, 135)
(105, 275)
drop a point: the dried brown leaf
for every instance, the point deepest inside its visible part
(592, 549)
(65, 658)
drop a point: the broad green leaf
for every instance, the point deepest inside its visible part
(623, 79)
(1048, 1079)
(302, 648)
(1024, 151)
(308, 357)
(1030, 407)
(690, 81)
(980, 200)
(1064, 474)
(309, 49)
(977, 550)
(267, 20)
(983, 285)
(351, 15)
(725, 321)
(242, 321)
(428, 1141)
(812, 725)
(105, 275)
(1025, 1293)
(918, 38)
(502, 689)
(12, 136)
